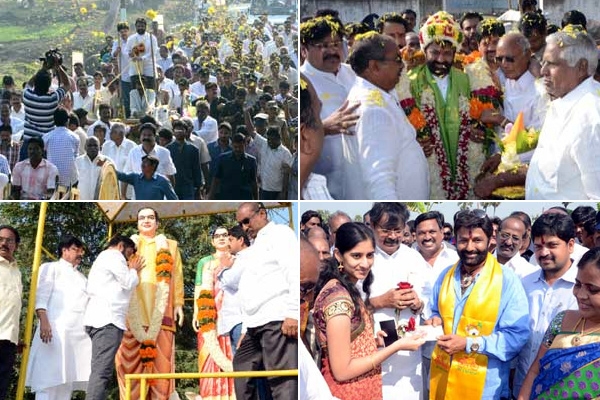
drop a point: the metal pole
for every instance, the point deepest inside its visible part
(37, 257)
(127, 388)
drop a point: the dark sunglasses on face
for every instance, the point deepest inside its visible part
(500, 59)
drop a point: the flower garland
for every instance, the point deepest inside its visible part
(409, 105)
(438, 162)
(147, 337)
(207, 318)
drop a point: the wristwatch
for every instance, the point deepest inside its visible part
(474, 347)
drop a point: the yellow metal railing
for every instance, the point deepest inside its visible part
(197, 375)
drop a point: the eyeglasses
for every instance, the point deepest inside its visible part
(7, 240)
(220, 235)
(505, 236)
(389, 232)
(246, 220)
(397, 60)
(508, 59)
(332, 45)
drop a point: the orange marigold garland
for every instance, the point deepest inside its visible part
(164, 266)
(207, 311)
(148, 353)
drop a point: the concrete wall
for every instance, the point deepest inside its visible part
(555, 9)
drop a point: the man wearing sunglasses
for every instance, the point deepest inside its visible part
(480, 305)
(388, 162)
(509, 238)
(268, 292)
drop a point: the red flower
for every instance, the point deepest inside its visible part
(404, 285)
(411, 325)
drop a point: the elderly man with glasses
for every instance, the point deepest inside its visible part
(388, 162)
(269, 295)
(479, 304)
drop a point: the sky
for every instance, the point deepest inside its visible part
(448, 208)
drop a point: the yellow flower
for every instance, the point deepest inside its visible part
(151, 14)
(211, 10)
(374, 98)
(94, 6)
(83, 10)
(303, 84)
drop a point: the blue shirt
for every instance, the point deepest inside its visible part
(215, 150)
(187, 162)
(157, 188)
(510, 333)
(237, 177)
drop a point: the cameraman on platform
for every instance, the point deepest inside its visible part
(40, 102)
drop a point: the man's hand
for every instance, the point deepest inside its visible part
(400, 299)
(289, 327)
(341, 119)
(45, 329)
(491, 164)
(477, 135)
(137, 262)
(179, 315)
(452, 344)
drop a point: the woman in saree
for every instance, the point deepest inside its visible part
(344, 324)
(568, 361)
(214, 348)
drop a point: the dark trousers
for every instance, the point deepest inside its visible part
(8, 353)
(105, 343)
(266, 347)
(125, 89)
(268, 195)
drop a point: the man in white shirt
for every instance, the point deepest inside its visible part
(88, 167)
(105, 114)
(148, 146)
(509, 240)
(395, 263)
(110, 283)
(435, 251)
(550, 290)
(119, 51)
(565, 163)
(269, 295)
(205, 126)
(118, 149)
(11, 292)
(389, 163)
(322, 39)
(275, 163)
(142, 49)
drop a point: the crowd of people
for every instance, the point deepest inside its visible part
(479, 307)
(124, 315)
(451, 108)
(214, 106)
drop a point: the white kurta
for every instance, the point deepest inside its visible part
(402, 371)
(519, 265)
(332, 90)
(392, 163)
(565, 163)
(67, 358)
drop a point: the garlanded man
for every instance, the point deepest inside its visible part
(157, 304)
(479, 304)
(442, 92)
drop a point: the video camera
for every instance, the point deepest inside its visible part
(52, 58)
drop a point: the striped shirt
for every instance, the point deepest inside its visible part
(39, 111)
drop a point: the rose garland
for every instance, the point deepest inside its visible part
(147, 337)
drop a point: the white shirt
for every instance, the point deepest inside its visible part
(389, 158)
(123, 58)
(544, 303)
(197, 88)
(89, 175)
(444, 259)
(311, 382)
(401, 372)
(87, 103)
(110, 283)
(208, 131)
(527, 95)
(11, 297)
(271, 167)
(315, 188)
(442, 84)
(141, 105)
(332, 90)
(165, 166)
(19, 115)
(170, 87)
(90, 130)
(565, 163)
(148, 68)
(202, 149)
(519, 265)
(269, 288)
(230, 313)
